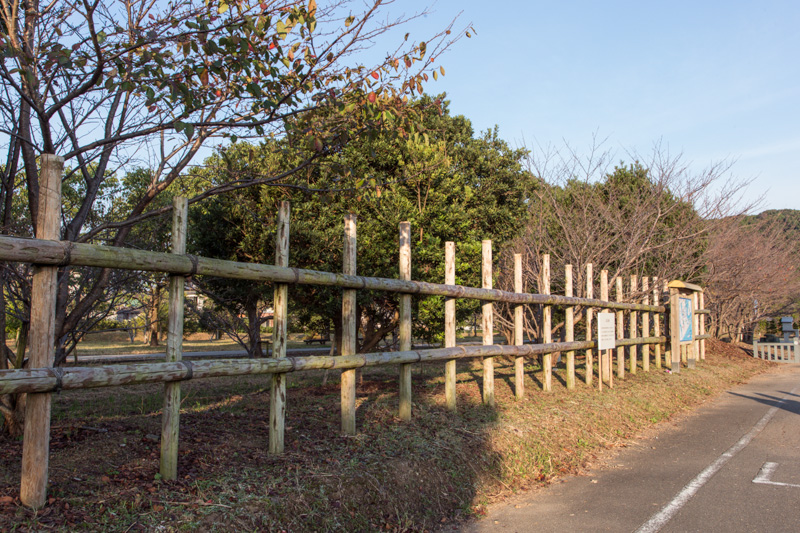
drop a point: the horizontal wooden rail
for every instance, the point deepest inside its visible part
(64, 253)
(702, 337)
(55, 379)
(702, 311)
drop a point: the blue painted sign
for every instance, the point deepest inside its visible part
(685, 319)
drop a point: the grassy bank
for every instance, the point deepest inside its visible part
(392, 476)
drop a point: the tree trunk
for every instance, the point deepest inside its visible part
(22, 344)
(3, 347)
(155, 301)
(13, 409)
(337, 332)
(253, 331)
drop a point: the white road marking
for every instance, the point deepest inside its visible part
(658, 520)
(765, 474)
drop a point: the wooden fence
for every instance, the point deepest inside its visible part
(781, 352)
(47, 253)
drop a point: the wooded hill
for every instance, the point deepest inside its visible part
(788, 220)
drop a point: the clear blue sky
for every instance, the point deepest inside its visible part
(710, 79)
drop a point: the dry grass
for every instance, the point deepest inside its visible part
(117, 343)
(437, 469)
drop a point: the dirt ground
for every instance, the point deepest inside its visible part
(439, 469)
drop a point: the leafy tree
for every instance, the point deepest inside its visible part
(450, 184)
(113, 85)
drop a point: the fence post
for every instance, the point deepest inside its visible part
(519, 362)
(349, 328)
(695, 345)
(450, 325)
(547, 326)
(646, 324)
(405, 322)
(590, 295)
(170, 417)
(656, 323)
(702, 329)
(280, 304)
(632, 325)
(36, 440)
(620, 329)
(487, 323)
(605, 356)
(569, 327)
(674, 331)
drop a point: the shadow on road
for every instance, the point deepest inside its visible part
(782, 402)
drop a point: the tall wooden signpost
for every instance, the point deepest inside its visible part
(682, 331)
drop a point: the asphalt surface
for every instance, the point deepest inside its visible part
(731, 466)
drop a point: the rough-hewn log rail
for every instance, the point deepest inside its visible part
(56, 379)
(64, 253)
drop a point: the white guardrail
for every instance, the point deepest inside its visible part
(781, 352)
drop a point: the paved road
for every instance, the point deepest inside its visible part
(732, 466)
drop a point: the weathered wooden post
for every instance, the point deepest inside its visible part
(646, 324)
(620, 329)
(36, 438)
(702, 330)
(519, 362)
(657, 322)
(547, 326)
(487, 324)
(349, 328)
(590, 295)
(666, 299)
(405, 322)
(604, 356)
(170, 418)
(682, 323)
(280, 304)
(569, 327)
(632, 326)
(450, 325)
(674, 342)
(695, 327)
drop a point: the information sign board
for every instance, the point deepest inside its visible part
(606, 331)
(685, 319)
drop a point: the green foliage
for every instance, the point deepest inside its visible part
(449, 184)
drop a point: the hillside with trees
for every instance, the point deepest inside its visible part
(751, 273)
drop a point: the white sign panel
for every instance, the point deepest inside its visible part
(606, 331)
